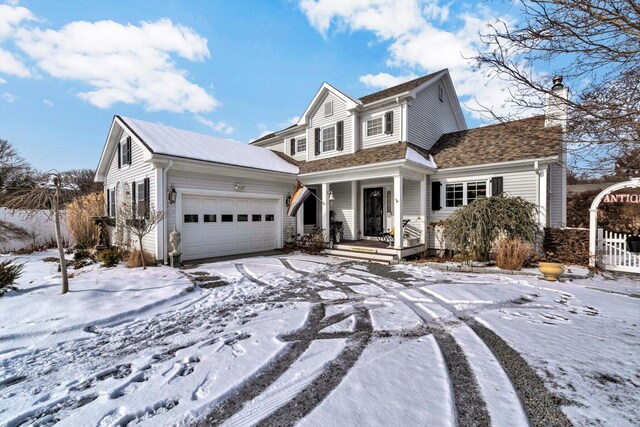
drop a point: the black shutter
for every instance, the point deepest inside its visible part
(119, 157)
(129, 150)
(317, 141)
(146, 198)
(134, 211)
(497, 183)
(340, 143)
(107, 199)
(293, 146)
(388, 122)
(435, 196)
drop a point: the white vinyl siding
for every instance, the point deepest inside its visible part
(341, 207)
(382, 138)
(555, 196)
(318, 120)
(429, 118)
(211, 182)
(121, 179)
(411, 208)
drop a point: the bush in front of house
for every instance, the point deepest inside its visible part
(134, 260)
(513, 254)
(474, 229)
(110, 257)
(9, 273)
(569, 245)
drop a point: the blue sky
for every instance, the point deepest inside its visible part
(234, 69)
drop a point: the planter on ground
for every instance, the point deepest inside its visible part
(633, 244)
(551, 270)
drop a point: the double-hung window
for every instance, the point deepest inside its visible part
(111, 202)
(454, 195)
(141, 203)
(476, 190)
(329, 138)
(301, 145)
(374, 126)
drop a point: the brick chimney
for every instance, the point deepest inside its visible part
(556, 109)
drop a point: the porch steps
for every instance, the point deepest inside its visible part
(378, 258)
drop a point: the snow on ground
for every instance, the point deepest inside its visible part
(310, 340)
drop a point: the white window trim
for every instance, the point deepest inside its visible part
(366, 127)
(372, 117)
(324, 104)
(306, 144)
(335, 139)
(464, 182)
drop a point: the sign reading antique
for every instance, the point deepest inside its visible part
(622, 198)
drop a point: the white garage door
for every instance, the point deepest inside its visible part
(218, 226)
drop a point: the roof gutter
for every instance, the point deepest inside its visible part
(493, 165)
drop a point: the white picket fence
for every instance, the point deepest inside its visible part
(613, 253)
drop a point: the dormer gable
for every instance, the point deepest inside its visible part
(318, 102)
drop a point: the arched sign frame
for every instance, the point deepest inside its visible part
(593, 214)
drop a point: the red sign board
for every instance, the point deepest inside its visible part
(622, 198)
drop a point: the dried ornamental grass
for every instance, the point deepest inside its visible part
(134, 260)
(512, 254)
(79, 213)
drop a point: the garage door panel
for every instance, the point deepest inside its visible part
(248, 230)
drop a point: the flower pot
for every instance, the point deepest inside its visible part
(551, 270)
(633, 244)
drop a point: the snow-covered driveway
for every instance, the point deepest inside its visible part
(316, 341)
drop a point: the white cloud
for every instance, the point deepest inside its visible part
(386, 18)
(220, 126)
(2, 81)
(419, 44)
(47, 103)
(384, 80)
(133, 64)
(9, 64)
(6, 96)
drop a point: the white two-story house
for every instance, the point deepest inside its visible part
(397, 159)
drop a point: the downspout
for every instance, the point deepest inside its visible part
(165, 208)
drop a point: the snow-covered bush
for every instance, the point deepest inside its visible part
(9, 273)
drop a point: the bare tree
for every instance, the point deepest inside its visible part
(595, 45)
(49, 194)
(14, 170)
(139, 221)
(83, 178)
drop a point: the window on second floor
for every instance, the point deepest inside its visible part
(374, 126)
(329, 139)
(328, 108)
(124, 151)
(301, 145)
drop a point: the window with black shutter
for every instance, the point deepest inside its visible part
(435, 196)
(388, 122)
(340, 136)
(292, 146)
(316, 141)
(497, 185)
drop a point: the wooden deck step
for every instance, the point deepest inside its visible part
(361, 256)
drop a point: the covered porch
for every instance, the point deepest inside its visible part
(369, 204)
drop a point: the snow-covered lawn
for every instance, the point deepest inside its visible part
(315, 341)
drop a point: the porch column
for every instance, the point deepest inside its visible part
(397, 212)
(300, 220)
(325, 209)
(354, 210)
(423, 209)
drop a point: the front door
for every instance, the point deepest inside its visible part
(373, 211)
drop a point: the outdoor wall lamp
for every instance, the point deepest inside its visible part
(331, 198)
(287, 201)
(172, 194)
